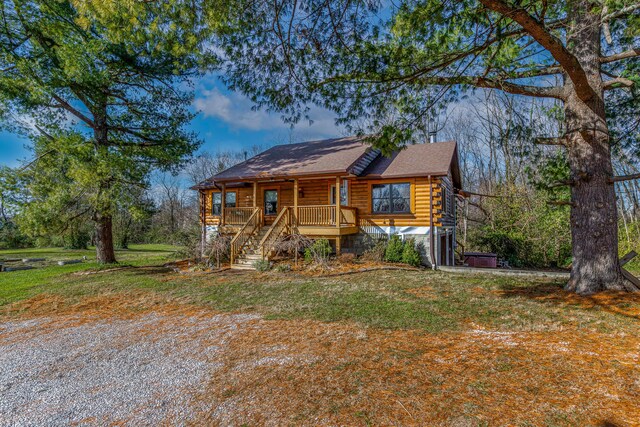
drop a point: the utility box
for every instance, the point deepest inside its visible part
(481, 259)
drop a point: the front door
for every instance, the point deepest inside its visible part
(344, 194)
(270, 206)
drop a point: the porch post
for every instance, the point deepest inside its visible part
(223, 203)
(448, 254)
(203, 221)
(255, 194)
(338, 201)
(295, 200)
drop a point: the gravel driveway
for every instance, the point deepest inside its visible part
(141, 371)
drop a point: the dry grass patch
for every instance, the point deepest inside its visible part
(310, 373)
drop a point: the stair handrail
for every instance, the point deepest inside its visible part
(281, 223)
(244, 234)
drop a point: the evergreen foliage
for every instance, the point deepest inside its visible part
(410, 254)
(394, 250)
(102, 90)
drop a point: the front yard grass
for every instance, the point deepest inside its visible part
(18, 285)
(424, 300)
(378, 348)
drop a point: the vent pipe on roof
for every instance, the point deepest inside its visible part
(245, 156)
(432, 137)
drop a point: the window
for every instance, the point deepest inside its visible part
(391, 198)
(230, 199)
(271, 202)
(216, 203)
(344, 194)
(448, 200)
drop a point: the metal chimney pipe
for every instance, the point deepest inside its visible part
(432, 137)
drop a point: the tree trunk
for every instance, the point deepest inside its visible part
(104, 239)
(594, 225)
(103, 216)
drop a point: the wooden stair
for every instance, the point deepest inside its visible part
(251, 251)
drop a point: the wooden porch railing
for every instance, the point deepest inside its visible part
(280, 225)
(245, 233)
(321, 215)
(348, 215)
(324, 215)
(237, 216)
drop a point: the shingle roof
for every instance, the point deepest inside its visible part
(434, 159)
(307, 158)
(349, 155)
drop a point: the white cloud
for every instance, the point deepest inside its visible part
(236, 111)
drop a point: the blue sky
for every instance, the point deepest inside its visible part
(226, 122)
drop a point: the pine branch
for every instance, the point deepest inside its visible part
(491, 83)
(631, 53)
(621, 178)
(617, 82)
(621, 12)
(551, 43)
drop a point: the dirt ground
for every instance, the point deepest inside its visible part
(106, 360)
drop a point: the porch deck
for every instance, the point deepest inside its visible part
(313, 220)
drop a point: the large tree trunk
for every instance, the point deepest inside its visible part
(594, 225)
(104, 239)
(594, 219)
(103, 217)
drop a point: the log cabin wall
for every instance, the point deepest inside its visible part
(360, 197)
(317, 192)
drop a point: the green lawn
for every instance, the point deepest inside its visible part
(18, 285)
(423, 300)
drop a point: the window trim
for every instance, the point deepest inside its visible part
(213, 195)
(390, 199)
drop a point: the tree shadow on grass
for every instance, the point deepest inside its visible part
(616, 302)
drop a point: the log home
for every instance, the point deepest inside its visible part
(340, 189)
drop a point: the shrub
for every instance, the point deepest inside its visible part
(262, 265)
(511, 246)
(410, 254)
(318, 252)
(218, 250)
(376, 252)
(394, 250)
(292, 244)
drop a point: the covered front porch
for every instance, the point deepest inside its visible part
(258, 213)
(313, 220)
(310, 206)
